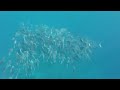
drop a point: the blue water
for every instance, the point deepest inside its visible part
(97, 25)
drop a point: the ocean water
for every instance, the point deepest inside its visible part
(100, 26)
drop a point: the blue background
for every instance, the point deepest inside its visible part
(100, 26)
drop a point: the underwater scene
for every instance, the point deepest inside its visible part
(59, 45)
